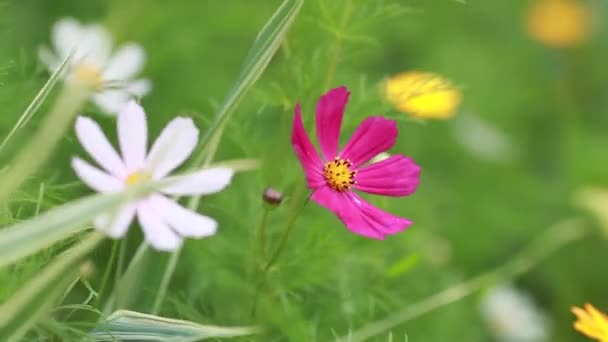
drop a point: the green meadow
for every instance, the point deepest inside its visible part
(513, 187)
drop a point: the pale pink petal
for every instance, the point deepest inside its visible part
(138, 88)
(97, 145)
(375, 134)
(133, 135)
(67, 33)
(49, 59)
(111, 101)
(115, 225)
(126, 62)
(94, 46)
(394, 176)
(175, 143)
(185, 222)
(203, 182)
(309, 159)
(94, 178)
(359, 216)
(330, 110)
(157, 232)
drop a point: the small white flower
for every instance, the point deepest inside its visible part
(110, 74)
(163, 221)
(513, 317)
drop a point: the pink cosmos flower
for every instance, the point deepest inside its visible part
(335, 174)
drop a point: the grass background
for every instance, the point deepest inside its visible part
(471, 214)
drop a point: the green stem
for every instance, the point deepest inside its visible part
(554, 238)
(262, 234)
(290, 224)
(337, 46)
(106, 274)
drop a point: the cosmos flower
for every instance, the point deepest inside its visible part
(335, 175)
(163, 221)
(423, 94)
(559, 23)
(513, 316)
(591, 322)
(111, 75)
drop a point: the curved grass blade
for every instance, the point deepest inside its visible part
(32, 108)
(33, 301)
(124, 325)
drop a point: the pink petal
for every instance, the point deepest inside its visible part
(330, 110)
(133, 135)
(395, 176)
(376, 134)
(309, 159)
(359, 216)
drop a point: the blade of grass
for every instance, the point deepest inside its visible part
(33, 301)
(553, 239)
(41, 145)
(131, 325)
(32, 108)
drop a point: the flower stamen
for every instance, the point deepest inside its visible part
(88, 75)
(338, 175)
(137, 177)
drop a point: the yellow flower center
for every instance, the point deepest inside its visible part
(137, 178)
(88, 75)
(338, 175)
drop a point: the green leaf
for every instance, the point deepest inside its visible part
(126, 325)
(33, 301)
(260, 54)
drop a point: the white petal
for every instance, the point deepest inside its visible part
(96, 144)
(133, 135)
(94, 178)
(139, 88)
(67, 33)
(172, 147)
(115, 225)
(126, 63)
(48, 58)
(94, 47)
(201, 182)
(157, 233)
(185, 222)
(112, 101)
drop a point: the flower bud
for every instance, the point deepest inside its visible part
(272, 196)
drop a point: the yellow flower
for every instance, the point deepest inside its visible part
(559, 23)
(591, 322)
(423, 94)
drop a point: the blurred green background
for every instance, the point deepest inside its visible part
(472, 211)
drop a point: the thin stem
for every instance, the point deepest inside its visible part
(554, 238)
(261, 255)
(290, 224)
(106, 274)
(335, 53)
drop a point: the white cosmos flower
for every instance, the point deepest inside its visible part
(110, 74)
(163, 221)
(513, 316)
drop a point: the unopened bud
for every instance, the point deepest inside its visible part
(272, 196)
